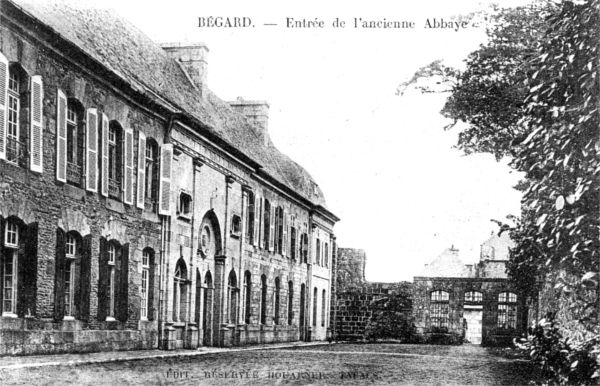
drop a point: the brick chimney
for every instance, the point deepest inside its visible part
(193, 58)
(256, 112)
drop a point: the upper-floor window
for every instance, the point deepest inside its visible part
(473, 296)
(304, 247)
(318, 254)
(151, 169)
(15, 137)
(279, 229)
(439, 310)
(267, 224)
(185, 205)
(114, 159)
(236, 225)
(250, 218)
(507, 310)
(75, 142)
(293, 243)
(326, 255)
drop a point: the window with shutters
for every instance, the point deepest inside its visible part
(151, 168)
(75, 142)
(147, 255)
(267, 224)
(112, 286)
(115, 165)
(250, 218)
(16, 107)
(69, 275)
(439, 310)
(507, 311)
(290, 315)
(279, 229)
(263, 299)
(10, 261)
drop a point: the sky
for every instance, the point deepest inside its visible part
(385, 164)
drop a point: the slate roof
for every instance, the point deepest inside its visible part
(448, 264)
(126, 51)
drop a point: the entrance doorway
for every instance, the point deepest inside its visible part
(473, 318)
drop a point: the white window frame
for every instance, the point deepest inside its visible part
(11, 235)
(72, 125)
(69, 288)
(12, 258)
(144, 288)
(112, 252)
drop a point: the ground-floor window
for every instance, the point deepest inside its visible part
(439, 310)
(507, 310)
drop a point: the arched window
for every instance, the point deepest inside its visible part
(151, 175)
(232, 296)
(179, 291)
(473, 297)
(439, 310)
(277, 299)
(75, 141)
(247, 297)
(250, 218)
(146, 284)
(507, 311)
(290, 313)
(115, 162)
(315, 300)
(263, 300)
(323, 309)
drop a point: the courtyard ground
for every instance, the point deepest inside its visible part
(335, 364)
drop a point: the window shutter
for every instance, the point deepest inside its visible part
(284, 247)
(85, 279)
(3, 98)
(166, 163)
(103, 280)
(59, 276)
(61, 136)
(122, 291)
(37, 137)
(272, 229)
(141, 177)
(128, 179)
(152, 288)
(104, 177)
(27, 267)
(91, 139)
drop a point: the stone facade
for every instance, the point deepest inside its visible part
(138, 210)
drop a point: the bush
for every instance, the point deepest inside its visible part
(561, 362)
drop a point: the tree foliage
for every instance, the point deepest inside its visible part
(532, 93)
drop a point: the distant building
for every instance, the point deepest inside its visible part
(474, 301)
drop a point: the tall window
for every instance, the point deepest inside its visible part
(69, 277)
(112, 258)
(74, 142)
(473, 297)
(250, 218)
(326, 253)
(9, 268)
(232, 296)
(277, 296)
(179, 291)
(439, 310)
(247, 297)
(304, 247)
(290, 315)
(114, 160)
(507, 310)
(13, 138)
(263, 300)
(293, 243)
(315, 300)
(151, 186)
(279, 219)
(318, 254)
(267, 224)
(145, 287)
(323, 309)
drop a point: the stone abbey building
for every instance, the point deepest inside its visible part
(137, 209)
